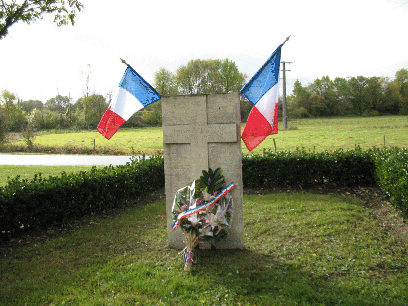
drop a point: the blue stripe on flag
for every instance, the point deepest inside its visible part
(264, 79)
(137, 86)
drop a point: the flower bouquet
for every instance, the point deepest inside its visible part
(203, 211)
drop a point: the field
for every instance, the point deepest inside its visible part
(317, 247)
(28, 172)
(300, 249)
(311, 134)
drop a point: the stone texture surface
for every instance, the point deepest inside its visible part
(199, 132)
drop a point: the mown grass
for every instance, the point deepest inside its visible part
(300, 249)
(27, 172)
(316, 134)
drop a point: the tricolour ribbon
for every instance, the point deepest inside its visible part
(203, 206)
(188, 256)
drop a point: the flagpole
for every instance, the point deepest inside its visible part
(123, 61)
(287, 38)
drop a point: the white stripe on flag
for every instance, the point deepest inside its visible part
(125, 104)
(266, 105)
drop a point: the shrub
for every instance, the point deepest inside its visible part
(302, 168)
(386, 168)
(44, 202)
(51, 201)
(392, 173)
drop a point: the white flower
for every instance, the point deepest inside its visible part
(220, 214)
(193, 219)
(207, 197)
(206, 231)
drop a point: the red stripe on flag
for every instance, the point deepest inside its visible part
(275, 119)
(256, 129)
(110, 123)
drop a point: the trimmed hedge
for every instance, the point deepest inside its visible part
(386, 168)
(51, 201)
(305, 169)
(46, 202)
(392, 174)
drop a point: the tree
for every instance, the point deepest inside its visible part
(374, 95)
(301, 100)
(3, 127)
(357, 96)
(14, 116)
(58, 104)
(165, 82)
(342, 92)
(152, 115)
(197, 77)
(229, 77)
(29, 11)
(30, 105)
(91, 109)
(209, 77)
(45, 119)
(323, 97)
(392, 99)
(401, 83)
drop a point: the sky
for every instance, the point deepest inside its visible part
(328, 38)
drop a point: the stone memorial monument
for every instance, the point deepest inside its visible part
(202, 131)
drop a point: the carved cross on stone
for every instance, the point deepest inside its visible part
(199, 132)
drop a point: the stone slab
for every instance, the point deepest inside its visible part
(202, 131)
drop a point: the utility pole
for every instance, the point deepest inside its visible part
(285, 119)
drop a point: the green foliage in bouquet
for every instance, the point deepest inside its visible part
(211, 224)
(212, 180)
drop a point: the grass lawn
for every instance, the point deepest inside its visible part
(315, 134)
(300, 249)
(28, 172)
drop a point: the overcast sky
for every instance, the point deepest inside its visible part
(335, 38)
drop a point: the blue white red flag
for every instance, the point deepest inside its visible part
(133, 95)
(262, 92)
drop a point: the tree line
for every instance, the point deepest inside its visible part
(56, 113)
(354, 96)
(197, 77)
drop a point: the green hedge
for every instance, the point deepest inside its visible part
(302, 168)
(386, 168)
(392, 174)
(45, 202)
(51, 201)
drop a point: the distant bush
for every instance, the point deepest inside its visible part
(3, 128)
(300, 112)
(45, 119)
(45, 202)
(371, 113)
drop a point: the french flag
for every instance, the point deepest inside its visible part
(262, 92)
(133, 95)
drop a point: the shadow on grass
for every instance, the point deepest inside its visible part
(266, 280)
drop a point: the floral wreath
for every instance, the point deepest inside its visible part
(203, 211)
